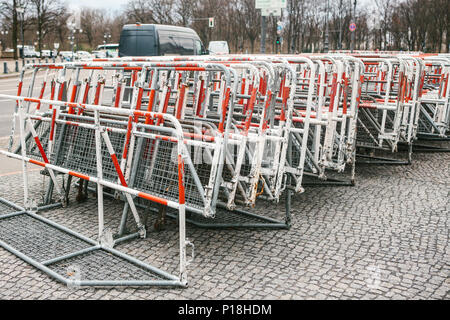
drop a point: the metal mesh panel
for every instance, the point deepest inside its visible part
(77, 151)
(43, 131)
(222, 216)
(367, 131)
(246, 165)
(37, 239)
(296, 148)
(102, 265)
(157, 172)
(424, 124)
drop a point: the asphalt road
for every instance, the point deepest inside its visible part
(9, 86)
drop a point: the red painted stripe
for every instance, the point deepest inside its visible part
(60, 93)
(333, 93)
(19, 90)
(52, 94)
(344, 110)
(150, 105)
(200, 98)
(133, 68)
(125, 149)
(86, 92)
(97, 93)
(180, 101)
(41, 150)
(250, 109)
(224, 109)
(79, 175)
(52, 130)
(166, 105)
(39, 163)
(73, 97)
(197, 136)
(181, 191)
(139, 98)
(70, 123)
(280, 93)
(32, 100)
(41, 94)
(241, 101)
(119, 171)
(119, 90)
(190, 69)
(152, 198)
(286, 92)
(266, 108)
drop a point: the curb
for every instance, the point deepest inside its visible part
(12, 75)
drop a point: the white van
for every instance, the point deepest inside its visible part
(82, 55)
(46, 53)
(218, 47)
(28, 51)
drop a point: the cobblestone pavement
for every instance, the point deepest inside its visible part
(387, 237)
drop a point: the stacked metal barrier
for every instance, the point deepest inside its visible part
(434, 118)
(210, 137)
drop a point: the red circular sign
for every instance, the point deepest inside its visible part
(352, 27)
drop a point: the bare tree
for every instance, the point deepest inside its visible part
(45, 17)
(395, 24)
(11, 20)
(250, 21)
(139, 11)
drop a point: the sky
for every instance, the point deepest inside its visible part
(117, 4)
(104, 4)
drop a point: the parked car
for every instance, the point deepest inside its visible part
(83, 55)
(218, 47)
(28, 51)
(46, 53)
(158, 40)
(66, 55)
(99, 54)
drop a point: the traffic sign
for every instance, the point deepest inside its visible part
(352, 27)
(267, 12)
(279, 28)
(270, 4)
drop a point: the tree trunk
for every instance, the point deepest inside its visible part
(14, 30)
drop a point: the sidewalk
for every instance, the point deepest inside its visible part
(11, 66)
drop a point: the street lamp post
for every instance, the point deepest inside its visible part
(78, 38)
(38, 34)
(327, 33)
(352, 43)
(71, 38)
(3, 32)
(21, 11)
(340, 25)
(263, 34)
(106, 38)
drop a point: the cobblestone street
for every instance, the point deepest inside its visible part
(387, 237)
